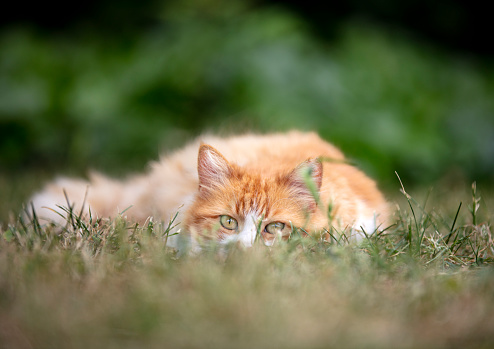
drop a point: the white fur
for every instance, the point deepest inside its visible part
(45, 207)
(364, 224)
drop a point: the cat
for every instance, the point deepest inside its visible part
(234, 189)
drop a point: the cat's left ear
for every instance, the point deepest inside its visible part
(305, 181)
(213, 169)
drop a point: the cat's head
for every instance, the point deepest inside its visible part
(233, 204)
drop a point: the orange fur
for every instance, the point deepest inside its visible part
(241, 177)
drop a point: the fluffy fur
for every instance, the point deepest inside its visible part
(229, 188)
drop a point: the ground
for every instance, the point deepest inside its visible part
(425, 282)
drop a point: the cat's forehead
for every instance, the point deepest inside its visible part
(254, 194)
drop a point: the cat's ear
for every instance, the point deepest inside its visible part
(305, 182)
(213, 169)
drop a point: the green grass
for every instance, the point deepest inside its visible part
(425, 282)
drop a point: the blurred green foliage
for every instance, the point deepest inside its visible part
(113, 103)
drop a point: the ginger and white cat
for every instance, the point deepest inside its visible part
(232, 188)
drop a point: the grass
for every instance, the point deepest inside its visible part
(425, 282)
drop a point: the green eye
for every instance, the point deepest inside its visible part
(274, 228)
(228, 222)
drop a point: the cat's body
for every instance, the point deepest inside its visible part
(235, 187)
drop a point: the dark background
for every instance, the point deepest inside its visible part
(460, 26)
(400, 86)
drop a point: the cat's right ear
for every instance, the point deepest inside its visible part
(213, 169)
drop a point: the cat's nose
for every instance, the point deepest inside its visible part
(245, 243)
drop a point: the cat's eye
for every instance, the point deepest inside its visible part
(274, 228)
(228, 222)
